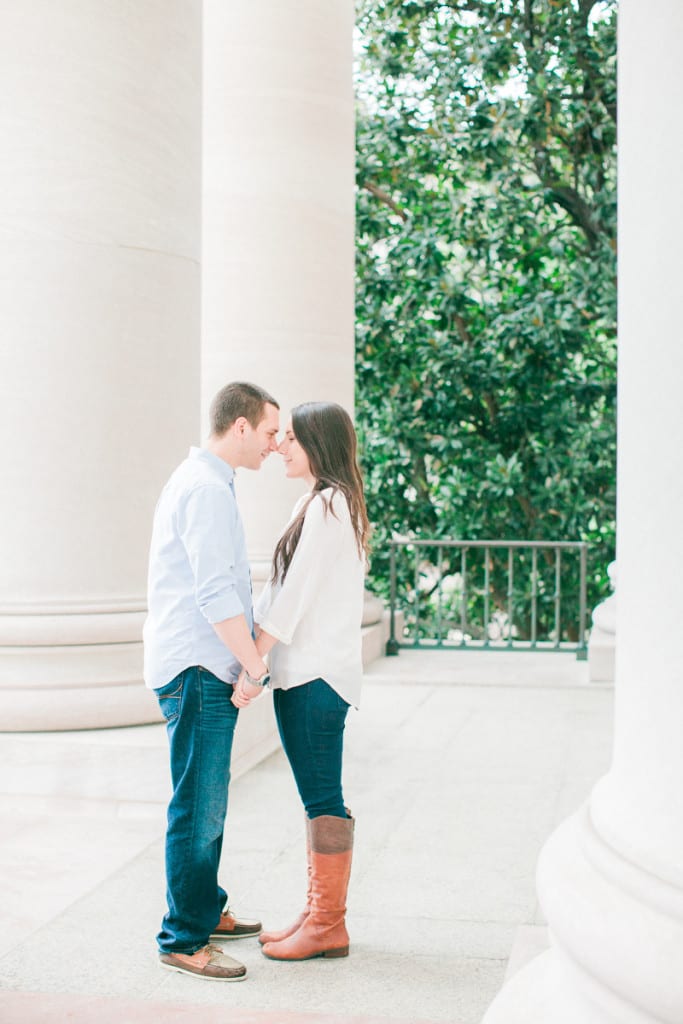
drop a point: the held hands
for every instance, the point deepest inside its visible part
(244, 692)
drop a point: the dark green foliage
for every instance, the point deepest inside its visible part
(486, 288)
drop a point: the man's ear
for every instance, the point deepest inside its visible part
(239, 426)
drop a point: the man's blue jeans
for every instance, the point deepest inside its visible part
(311, 721)
(200, 722)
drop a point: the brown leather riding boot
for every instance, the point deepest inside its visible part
(323, 932)
(285, 932)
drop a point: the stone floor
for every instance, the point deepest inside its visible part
(457, 768)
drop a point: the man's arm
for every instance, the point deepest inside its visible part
(244, 691)
(236, 636)
(211, 553)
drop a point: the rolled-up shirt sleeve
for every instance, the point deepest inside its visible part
(263, 602)
(204, 526)
(319, 544)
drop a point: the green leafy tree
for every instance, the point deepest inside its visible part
(486, 278)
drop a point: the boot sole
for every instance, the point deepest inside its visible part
(196, 974)
(229, 936)
(326, 954)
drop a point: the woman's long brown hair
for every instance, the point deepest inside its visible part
(325, 432)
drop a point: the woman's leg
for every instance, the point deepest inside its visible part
(291, 715)
(311, 720)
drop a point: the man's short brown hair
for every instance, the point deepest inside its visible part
(235, 400)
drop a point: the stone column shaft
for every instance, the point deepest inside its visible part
(99, 274)
(610, 880)
(278, 221)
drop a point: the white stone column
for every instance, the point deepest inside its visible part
(99, 354)
(278, 238)
(278, 220)
(611, 879)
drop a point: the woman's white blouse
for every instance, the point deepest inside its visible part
(316, 613)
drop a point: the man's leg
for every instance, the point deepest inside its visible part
(200, 721)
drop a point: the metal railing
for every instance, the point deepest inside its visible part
(528, 612)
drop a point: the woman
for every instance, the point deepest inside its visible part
(310, 615)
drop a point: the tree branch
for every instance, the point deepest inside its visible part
(529, 21)
(385, 198)
(489, 399)
(526, 508)
(592, 82)
(585, 8)
(577, 208)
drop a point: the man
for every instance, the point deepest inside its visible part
(197, 635)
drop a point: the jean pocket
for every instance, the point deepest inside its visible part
(170, 702)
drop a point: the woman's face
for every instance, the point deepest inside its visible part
(297, 465)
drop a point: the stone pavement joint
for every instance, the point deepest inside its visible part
(54, 1008)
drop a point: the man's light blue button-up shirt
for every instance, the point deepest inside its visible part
(198, 571)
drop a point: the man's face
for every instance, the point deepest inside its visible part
(258, 442)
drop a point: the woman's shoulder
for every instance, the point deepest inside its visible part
(300, 502)
(331, 498)
(328, 504)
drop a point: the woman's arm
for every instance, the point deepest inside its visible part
(236, 636)
(244, 692)
(321, 539)
(320, 544)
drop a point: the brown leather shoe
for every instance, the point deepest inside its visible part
(209, 962)
(230, 927)
(323, 932)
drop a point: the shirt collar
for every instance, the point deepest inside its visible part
(223, 468)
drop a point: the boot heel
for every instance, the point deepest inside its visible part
(330, 954)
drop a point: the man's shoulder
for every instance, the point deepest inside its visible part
(193, 480)
(195, 473)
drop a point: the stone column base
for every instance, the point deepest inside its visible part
(615, 929)
(51, 686)
(601, 653)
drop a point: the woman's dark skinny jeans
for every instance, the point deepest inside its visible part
(311, 721)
